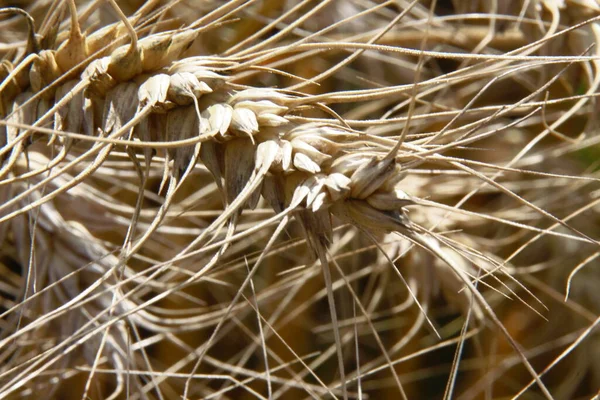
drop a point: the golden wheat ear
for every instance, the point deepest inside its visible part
(282, 200)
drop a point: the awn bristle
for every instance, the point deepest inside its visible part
(281, 200)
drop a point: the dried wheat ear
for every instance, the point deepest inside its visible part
(100, 95)
(146, 92)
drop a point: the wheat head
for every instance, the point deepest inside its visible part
(335, 199)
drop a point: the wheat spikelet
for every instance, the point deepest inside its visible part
(327, 199)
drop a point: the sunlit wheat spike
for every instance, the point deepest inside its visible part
(289, 200)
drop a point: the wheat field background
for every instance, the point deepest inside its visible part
(347, 199)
